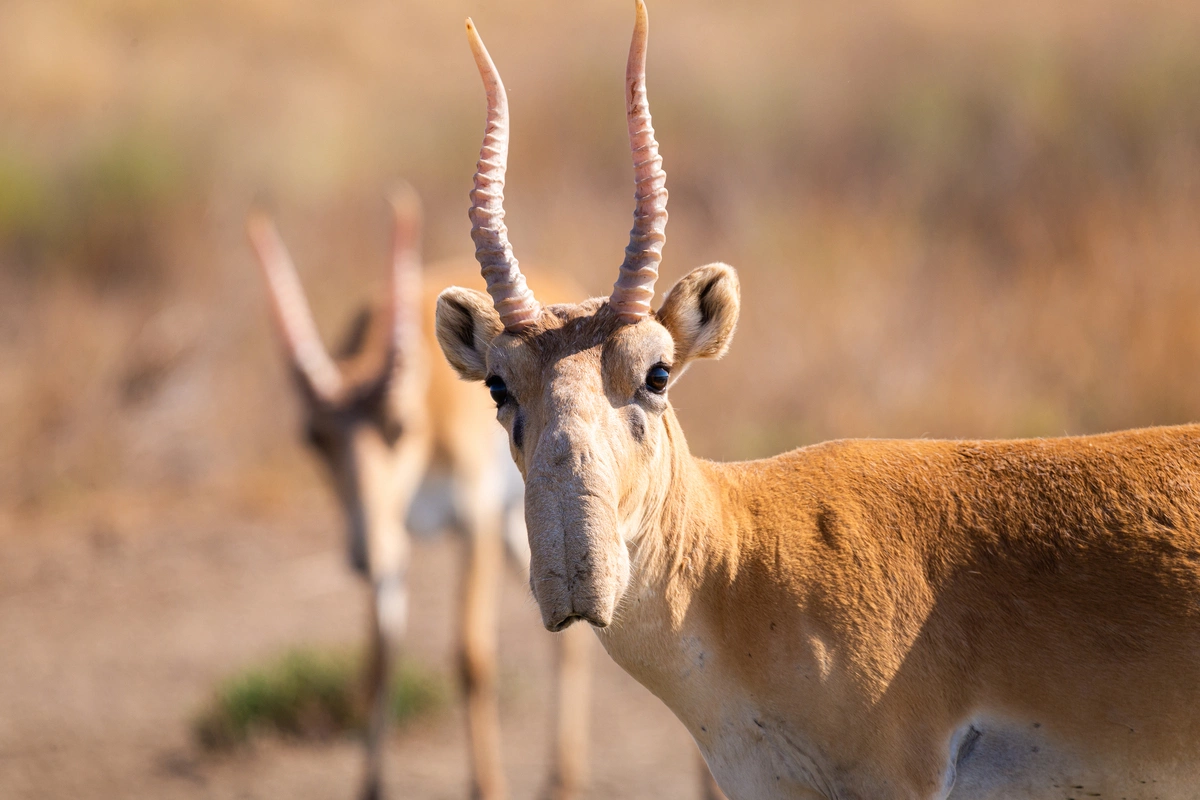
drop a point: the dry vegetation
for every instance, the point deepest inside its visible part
(308, 694)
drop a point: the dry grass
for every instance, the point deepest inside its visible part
(949, 220)
(308, 694)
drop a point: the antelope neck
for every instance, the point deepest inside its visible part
(680, 545)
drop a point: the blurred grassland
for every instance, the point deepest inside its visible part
(949, 219)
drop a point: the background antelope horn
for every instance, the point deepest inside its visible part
(634, 288)
(406, 273)
(514, 301)
(293, 319)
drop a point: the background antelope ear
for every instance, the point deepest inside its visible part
(701, 312)
(466, 324)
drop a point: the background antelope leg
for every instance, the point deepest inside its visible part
(569, 769)
(388, 616)
(477, 654)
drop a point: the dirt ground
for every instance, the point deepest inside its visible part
(111, 638)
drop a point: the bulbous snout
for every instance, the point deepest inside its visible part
(579, 566)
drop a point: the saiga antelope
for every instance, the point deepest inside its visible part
(860, 619)
(513, 301)
(383, 417)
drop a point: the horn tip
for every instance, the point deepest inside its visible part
(258, 211)
(405, 201)
(476, 42)
(259, 223)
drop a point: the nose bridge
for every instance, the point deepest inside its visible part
(565, 447)
(572, 417)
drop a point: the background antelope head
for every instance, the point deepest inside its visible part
(582, 389)
(359, 407)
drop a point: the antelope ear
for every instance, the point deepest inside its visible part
(467, 322)
(701, 312)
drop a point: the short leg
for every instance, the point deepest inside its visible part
(478, 623)
(569, 759)
(708, 785)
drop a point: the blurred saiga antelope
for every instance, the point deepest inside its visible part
(856, 620)
(387, 420)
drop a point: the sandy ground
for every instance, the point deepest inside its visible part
(111, 639)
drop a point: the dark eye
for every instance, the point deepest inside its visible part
(499, 391)
(391, 430)
(317, 438)
(656, 378)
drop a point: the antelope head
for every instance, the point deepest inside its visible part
(363, 408)
(583, 389)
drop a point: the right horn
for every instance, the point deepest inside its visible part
(634, 289)
(513, 299)
(290, 309)
(406, 275)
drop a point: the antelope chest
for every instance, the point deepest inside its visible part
(754, 756)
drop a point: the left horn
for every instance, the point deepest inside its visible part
(290, 309)
(634, 288)
(513, 300)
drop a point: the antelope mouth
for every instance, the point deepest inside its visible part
(571, 619)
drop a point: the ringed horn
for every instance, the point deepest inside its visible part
(293, 317)
(634, 288)
(406, 275)
(514, 301)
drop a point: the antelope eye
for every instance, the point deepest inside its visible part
(499, 391)
(317, 439)
(656, 378)
(392, 430)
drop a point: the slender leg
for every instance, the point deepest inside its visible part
(479, 621)
(376, 670)
(389, 612)
(708, 785)
(569, 759)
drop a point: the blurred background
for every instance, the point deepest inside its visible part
(950, 219)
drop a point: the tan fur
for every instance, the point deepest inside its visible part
(862, 619)
(390, 426)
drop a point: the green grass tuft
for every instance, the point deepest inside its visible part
(308, 694)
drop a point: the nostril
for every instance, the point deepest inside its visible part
(567, 622)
